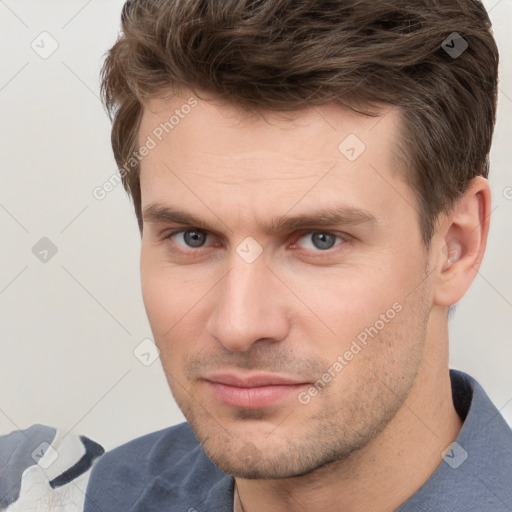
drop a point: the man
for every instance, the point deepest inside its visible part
(310, 184)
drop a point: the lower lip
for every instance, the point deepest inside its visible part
(253, 398)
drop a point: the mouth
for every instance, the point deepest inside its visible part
(256, 391)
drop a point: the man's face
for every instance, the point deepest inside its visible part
(286, 346)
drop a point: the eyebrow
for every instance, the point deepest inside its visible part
(156, 213)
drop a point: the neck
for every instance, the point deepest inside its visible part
(382, 475)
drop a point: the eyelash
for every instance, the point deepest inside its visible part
(341, 236)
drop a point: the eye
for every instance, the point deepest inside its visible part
(322, 240)
(318, 241)
(191, 238)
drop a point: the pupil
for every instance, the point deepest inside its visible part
(323, 240)
(194, 238)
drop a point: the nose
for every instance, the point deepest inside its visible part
(250, 305)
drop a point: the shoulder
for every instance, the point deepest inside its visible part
(150, 453)
(165, 466)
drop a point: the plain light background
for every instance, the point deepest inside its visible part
(68, 327)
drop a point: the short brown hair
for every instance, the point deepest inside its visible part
(284, 55)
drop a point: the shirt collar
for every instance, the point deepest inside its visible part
(476, 471)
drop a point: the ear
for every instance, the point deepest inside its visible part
(462, 237)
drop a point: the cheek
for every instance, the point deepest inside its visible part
(357, 305)
(161, 295)
(350, 299)
(162, 306)
(173, 305)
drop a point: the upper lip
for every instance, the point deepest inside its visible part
(252, 381)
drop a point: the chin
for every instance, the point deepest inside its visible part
(251, 463)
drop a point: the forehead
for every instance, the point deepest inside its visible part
(267, 158)
(310, 133)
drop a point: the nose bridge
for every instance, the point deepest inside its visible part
(243, 313)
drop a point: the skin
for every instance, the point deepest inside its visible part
(375, 433)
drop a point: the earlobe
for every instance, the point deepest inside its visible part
(463, 236)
